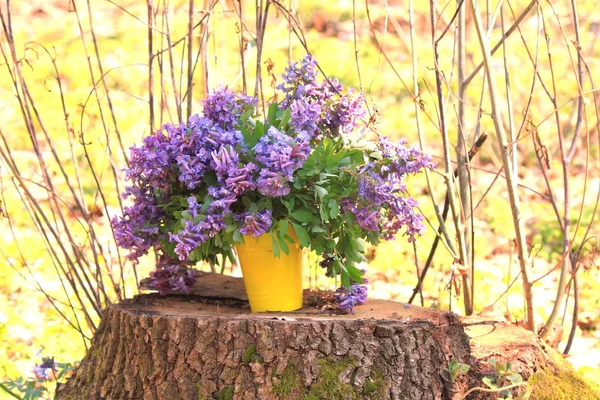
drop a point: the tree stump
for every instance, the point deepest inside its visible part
(194, 347)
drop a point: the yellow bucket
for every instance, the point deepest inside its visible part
(272, 284)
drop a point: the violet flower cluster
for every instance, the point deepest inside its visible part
(352, 296)
(380, 204)
(46, 370)
(314, 112)
(197, 188)
(281, 156)
(172, 278)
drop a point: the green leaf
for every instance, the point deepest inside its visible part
(247, 202)
(252, 136)
(452, 365)
(207, 201)
(285, 119)
(324, 213)
(334, 210)
(303, 236)
(272, 114)
(276, 252)
(318, 247)
(9, 392)
(289, 204)
(283, 226)
(210, 179)
(321, 191)
(317, 229)
(376, 155)
(514, 378)
(302, 215)
(246, 115)
(283, 245)
(354, 273)
(237, 236)
(185, 214)
(262, 205)
(489, 382)
(344, 277)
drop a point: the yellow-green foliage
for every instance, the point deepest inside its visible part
(563, 383)
(376, 387)
(226, 393)
(288, 382)
(328, 384)
(251, 356)
(566, 385)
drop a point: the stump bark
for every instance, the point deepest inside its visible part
(192, 347)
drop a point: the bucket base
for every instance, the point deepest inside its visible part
(272, 283)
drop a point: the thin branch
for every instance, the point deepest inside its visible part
(506, 36)
(189, 60)
(448, 175)
(511, 184)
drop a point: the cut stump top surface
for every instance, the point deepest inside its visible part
(220, 295)
(196, 306)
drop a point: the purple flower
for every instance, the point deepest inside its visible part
(381, 204)
(327, 264)
(196, 233)
(314, 107)
(222, 201)
(172, 278)
(195, 147)
(224, 108)
(151, 165)
(305, 116)
(254, 224)
(224, 159)
(137, 230)
(45, 370)
(403, 160)
(235, 176)
(342, 117)
(352, 296)
(367, 218)
(241, 179)
(298, 79)
(272, 184)
(402, 213)
(280, 156)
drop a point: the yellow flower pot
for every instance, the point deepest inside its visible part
(272, 284)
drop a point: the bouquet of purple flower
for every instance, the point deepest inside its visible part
(198, 188)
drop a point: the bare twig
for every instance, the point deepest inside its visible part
(511, 185)
(448, 175)
(504, 37)
(150, 64)
(190, 71)
(474, 150)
